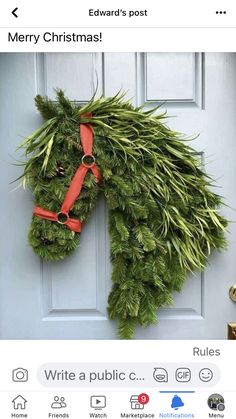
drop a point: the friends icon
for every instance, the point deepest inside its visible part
(58, 403)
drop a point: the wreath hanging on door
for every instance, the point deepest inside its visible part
(163, 216)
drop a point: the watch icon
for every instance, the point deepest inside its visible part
(98, 402)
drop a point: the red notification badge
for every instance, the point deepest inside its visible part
(143, 398)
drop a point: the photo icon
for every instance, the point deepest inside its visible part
(20, 375)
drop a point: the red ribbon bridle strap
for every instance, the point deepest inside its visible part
(71, 223)
(86, 138)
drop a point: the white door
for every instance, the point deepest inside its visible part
(67, 300)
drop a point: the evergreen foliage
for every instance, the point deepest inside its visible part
(163, 216)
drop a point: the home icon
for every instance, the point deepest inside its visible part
(19, 403)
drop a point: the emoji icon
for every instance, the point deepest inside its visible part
(206, 375)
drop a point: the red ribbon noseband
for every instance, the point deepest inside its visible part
(62, 217)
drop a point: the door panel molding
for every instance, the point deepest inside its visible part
(174, 78)
(54, 285)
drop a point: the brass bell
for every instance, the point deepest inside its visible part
(232, 293)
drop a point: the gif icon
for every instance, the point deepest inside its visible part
(183, 375)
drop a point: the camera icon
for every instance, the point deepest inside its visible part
(20, 375)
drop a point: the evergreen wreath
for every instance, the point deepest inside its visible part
(163, 216)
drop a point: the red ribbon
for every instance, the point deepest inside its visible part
(62, 217)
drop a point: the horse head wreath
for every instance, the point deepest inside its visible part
(163, 216)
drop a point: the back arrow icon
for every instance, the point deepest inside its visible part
(14, 12)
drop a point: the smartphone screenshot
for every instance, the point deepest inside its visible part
(117, 183)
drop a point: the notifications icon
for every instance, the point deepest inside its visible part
(160, 375)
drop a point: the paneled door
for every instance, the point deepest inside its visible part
(67, 300)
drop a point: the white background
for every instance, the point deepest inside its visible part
(33, 354)
(168, 13)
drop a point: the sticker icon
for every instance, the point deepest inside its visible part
(160, 375)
